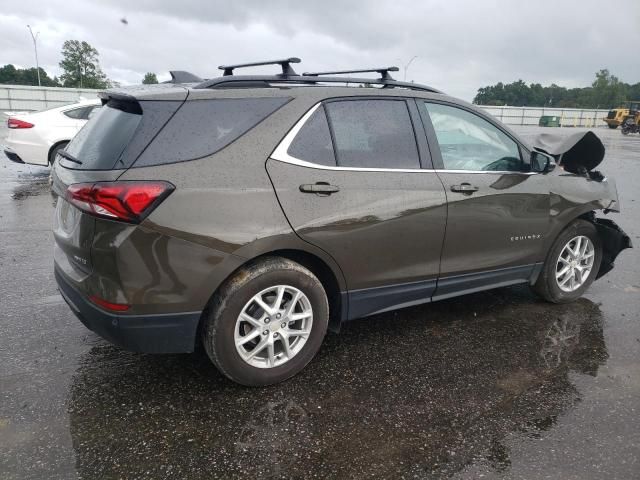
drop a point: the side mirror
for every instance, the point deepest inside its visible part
(541, 163)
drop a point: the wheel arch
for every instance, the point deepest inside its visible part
(52, 148)
(613, 239)
(329, 279)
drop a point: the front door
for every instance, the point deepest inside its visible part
(350, 180)
(499, 211)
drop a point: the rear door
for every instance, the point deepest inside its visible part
(351, 181)
(499, 211)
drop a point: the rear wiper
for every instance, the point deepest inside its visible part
(69, 157)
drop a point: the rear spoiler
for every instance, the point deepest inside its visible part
(180, 76)
(121, 101)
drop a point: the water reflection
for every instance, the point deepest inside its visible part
(31, 185)
(422, 392)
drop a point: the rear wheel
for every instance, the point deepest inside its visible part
(266, 323)
(54, 151)
(572, 263)
(52, 158)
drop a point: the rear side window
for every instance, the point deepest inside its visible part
(101, 141)
(203, 127)
(313, 142)
(373, 134)
(76, 113)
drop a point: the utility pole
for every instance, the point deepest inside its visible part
(406, 67)
(35, 48)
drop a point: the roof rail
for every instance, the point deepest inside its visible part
(383, 71)
(284, 63)
(266, 81)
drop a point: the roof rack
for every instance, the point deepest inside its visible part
(287, 70)
(383, 71)
(289, 77)
(266, 81)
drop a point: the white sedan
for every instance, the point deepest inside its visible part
(36, 137)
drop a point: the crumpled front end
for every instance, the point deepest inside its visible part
(614, 240)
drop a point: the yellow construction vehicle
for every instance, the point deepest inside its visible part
(631, 123)
(616, 116)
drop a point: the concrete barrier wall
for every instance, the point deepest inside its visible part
(21, 98)
(569, 117)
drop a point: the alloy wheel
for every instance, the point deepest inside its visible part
(575, 263)
(273, 326)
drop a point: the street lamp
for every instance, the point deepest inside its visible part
(35, 48)
(407, 66)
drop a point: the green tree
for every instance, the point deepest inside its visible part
(149, 78)
(11, 75)
(608, 91)
(81, 67)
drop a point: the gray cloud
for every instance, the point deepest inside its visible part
(461, 45)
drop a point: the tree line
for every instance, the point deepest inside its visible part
(606, 91)
(80, 69)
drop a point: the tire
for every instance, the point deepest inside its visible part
(222, 322)
(612, 126)
(54, 152)
(547, 286)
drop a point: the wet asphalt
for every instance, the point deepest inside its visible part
(492, 385)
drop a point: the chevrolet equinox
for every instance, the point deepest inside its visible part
(254, 212)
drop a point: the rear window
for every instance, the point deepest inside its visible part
(76, 113)
(203, 127)
(102, 140)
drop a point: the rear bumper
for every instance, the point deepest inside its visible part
(168, 333)
(13, 156)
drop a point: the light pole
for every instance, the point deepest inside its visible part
(407, 66)
(35, 48)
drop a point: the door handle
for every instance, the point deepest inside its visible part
(321, 188)
(464, 188)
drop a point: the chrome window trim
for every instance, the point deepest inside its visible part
(281, 154)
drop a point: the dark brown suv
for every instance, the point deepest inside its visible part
(251, 213)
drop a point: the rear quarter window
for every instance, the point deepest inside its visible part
(203, 127)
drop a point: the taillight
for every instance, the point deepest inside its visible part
(128, 201)
(15, 123)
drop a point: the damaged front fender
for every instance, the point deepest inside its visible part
(614, 240)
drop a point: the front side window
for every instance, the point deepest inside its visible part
(373, 134)
(469, 142)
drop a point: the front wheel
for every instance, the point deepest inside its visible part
(266, 323)
(612, 126)
(572, 263)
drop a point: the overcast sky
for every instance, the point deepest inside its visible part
(460, 45)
